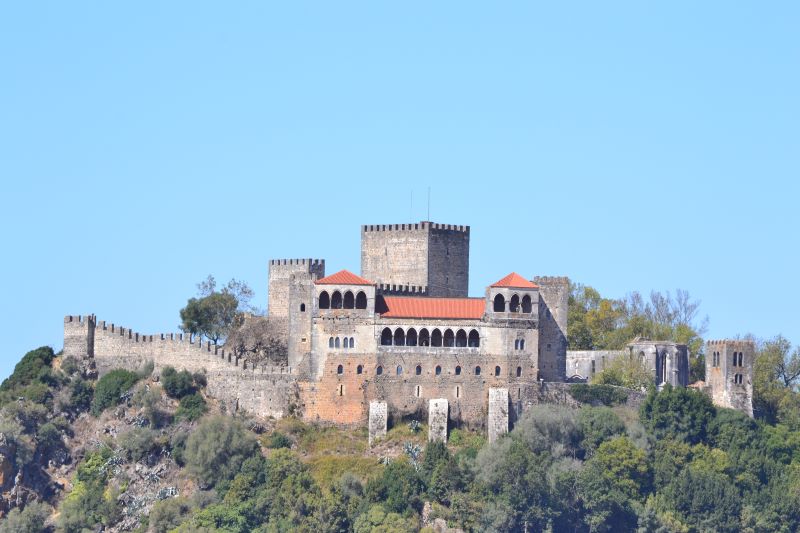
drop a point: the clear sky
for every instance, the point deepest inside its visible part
(628, 145)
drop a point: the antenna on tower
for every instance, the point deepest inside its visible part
(429, 204)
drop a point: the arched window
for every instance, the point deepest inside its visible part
(359, 369)
(734, 359)
(477, 371)
(519, 371)
(740, 360)
(324, 300)
(497, 371)
(474, 339)
(418, 370)
(302, 308)
(336, 300)
(379, 370)
(337, 342)
(340, 370)
(330, 342)
(438, 370)
(436, 338)
(424, 337)
(516, 344)
(458, 371)
(349, 300)
(499, 304)
(513, 304)
(399, 337)
(461, 338)
(399, 370)
(526, 304)
(352, 342)
(522, 344)
(411, 337)
(361, 300)
(449, 338)
(386, 337)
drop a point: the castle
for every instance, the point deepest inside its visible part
(403, 338)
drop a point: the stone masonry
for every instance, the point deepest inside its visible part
(378, 420)
(438, 416)
(498, 413)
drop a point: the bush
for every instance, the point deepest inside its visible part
(34, 366)
(29, 520)
(177, 384)
(138, 443)
(191, 407)
(278, 440)
(216, 450)
(168, 514)
(69, 365)
(81, 394)
(110, 388)
(598, 394)
(598, 424)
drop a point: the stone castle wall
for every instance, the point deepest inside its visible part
(281, 274)
(238, 384)
(553, 308)
(721, 382)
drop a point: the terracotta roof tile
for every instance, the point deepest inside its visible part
(343, 277)
(422, 307)
(516, 281)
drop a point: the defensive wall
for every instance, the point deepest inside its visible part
(235, 382)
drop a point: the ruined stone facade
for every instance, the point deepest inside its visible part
(729, 373)
(363, 350)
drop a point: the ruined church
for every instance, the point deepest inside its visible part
(404, 339)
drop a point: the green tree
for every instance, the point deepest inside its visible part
(110, 388)
(217, 448)
(776, 371)
(213, 314)
(677, 413)
(598, 424)
(177, 384)
(31, 519)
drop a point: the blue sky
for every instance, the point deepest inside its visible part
(628, 145)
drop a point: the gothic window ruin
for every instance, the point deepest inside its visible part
(499, 304)
(361, 300)
(324, 300)
(513, 304)
(386, 337)
(349, 300)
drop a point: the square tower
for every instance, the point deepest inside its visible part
(432, 256)
(729, 373)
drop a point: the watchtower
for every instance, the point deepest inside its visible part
(433, 257)
(553, 301)
(729, 373)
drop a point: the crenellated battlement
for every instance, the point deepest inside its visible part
(425, 225)
(79, 319)
(732, 342)
(401, 290)
(297, 262)
(551, 280)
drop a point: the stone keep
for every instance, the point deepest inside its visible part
(498, 413)
(438, 411)
(729, 373)
(378, 415)
(426, 255)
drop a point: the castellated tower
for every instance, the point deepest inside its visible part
(729, 373)
(553, 301)
(430, 256)
(291, 300)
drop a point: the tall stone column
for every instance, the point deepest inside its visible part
(377, 420)
(438, 413)
(498, 413)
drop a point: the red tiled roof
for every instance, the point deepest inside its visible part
(343, 277)
(516, 281)
(421, 307)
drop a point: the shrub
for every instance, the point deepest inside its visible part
(138, 443)
(48, 439)
(168, 514)
(598, 424)
(191, 407)
(200, 379)
(278, 440)
(29, 520)
(217, 448)
(81, 394)
(177, 384)
(110, 388)
(69, 365)
(598, 394)
(34, 366)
